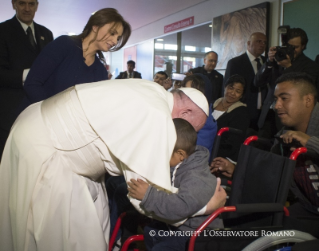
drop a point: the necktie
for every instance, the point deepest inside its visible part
(31, 38)
(259, 92)
(258, 63)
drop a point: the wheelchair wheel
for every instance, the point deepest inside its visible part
(276, 238)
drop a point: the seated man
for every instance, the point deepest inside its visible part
(298, 110)
(190, 175)
(130, 73)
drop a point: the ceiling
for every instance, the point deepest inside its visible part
(65, 16)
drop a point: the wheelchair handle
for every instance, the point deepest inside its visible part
(294, 155)
(218, 138)
(229, 129)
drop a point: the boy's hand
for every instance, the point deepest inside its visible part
(218, 200)
(137, 188)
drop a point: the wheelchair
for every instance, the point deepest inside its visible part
(258, 194)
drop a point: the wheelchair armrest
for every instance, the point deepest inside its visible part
(242, 208)
(116, 229)
(261, 208)
(130, 240)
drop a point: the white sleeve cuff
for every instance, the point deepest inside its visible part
(231, 161)
(200, 212)
(24, 75)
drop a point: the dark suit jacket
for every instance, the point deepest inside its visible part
(241, 65)
(123, 75)
(216, 80)
(16, 54)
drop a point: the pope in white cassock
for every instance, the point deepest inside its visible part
(52, 194)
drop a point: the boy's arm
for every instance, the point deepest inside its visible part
(192, 196)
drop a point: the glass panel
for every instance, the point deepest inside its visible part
(165, 54)
(195, 43)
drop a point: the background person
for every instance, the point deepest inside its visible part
(19, 47)
(162, 79)
(247, 65)
(61, 64)
(208, 69)
(130, 73)
(230, 111)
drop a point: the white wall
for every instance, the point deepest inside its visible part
(205, 12)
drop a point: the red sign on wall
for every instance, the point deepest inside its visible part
(179, 25)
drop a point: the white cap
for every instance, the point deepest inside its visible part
(197, 97)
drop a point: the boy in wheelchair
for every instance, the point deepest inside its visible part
(196, 189)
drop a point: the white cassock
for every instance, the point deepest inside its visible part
(52, 194)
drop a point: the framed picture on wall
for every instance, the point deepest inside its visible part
(231, 31)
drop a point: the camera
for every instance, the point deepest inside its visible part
(285, 49)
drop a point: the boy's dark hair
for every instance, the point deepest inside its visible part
(303, 81)
(186, 136)
(131, 62)
(197, 82)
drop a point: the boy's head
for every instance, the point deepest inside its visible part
(185, 142)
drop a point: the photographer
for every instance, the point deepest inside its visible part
(282, 60)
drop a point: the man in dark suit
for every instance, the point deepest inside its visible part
(208, 69)
(21, 40)
(247, 66)
(130, 73)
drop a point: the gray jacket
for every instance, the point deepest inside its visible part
(196, 187)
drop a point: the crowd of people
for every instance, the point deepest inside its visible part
(78, 149)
